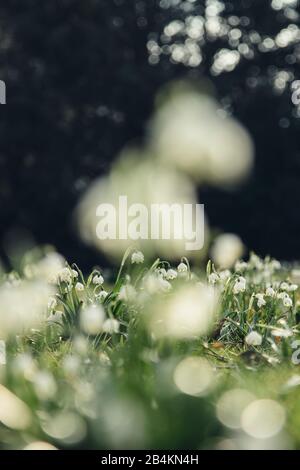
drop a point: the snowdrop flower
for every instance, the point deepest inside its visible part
(284, 286)
(52, 302)
(79, 287)
(182, 268)
(98, 280)
(171, 274)
(270, 292)
(213, 278)
(260, 300)
(161, 272)
(91, 319)
(127, 293)
(240, 266)
(102, 295)
(253, 339)
(282, 333)
(240, 285)
(56, 318)
(282, 295)
(2, 353)
(287, 302)
(275, 264)
(111, 325)
(65, 275)
(292, 288)
(186, 314)
(47, 268)
(137, 257)
(226, 249)
(45, 385)
(224, 275)
(71, 364)
(165, 286)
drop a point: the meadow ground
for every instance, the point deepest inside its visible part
(159, 357)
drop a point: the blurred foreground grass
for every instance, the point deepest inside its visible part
(160, 357)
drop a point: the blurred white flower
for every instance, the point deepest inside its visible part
(284, 286)
(182, 268)
(292, 287)
(137, 257)
(260, 300)
(193, 376)
(44, 385)
(226, 250)
(127, 293)
(241, 266)
(39, 445)
(171, 274)
(98, 280)
(253, 339)
(240, 285)
(71, 364)
(187, 313)
(2, 353)
(213, 278)
(79, 287)
(23, 306)
(49, 267)
(287, 302)
(102, 295)
(231, 406)
(189, 133)
(270, 292)
(14, 413)
(263, 419)
(65, 275)
(91, 319)
(111, 325)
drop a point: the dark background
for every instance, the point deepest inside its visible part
(80, 86)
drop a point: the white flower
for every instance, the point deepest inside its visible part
(137, 257)
(284, 286)
(240, 266)
(260, 300)
(253, 339)
(102, 295)
(74, 273)
(111, 325)
(240, 285)
(2, 353)
(226, 249)
(45, 385)
(171, 274)
(98, 280)
(182, 268)
(52, 302)
(224, 275)
(270, 292)
(282, 295)
(55, 317)
(65, 275)
(71, 364)
(292, 288)
(165, 286)
(274, 264)
(127, 293)
(79, 287)
(287, 302)
(91, 319)
(161, 272)
(213, 278)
